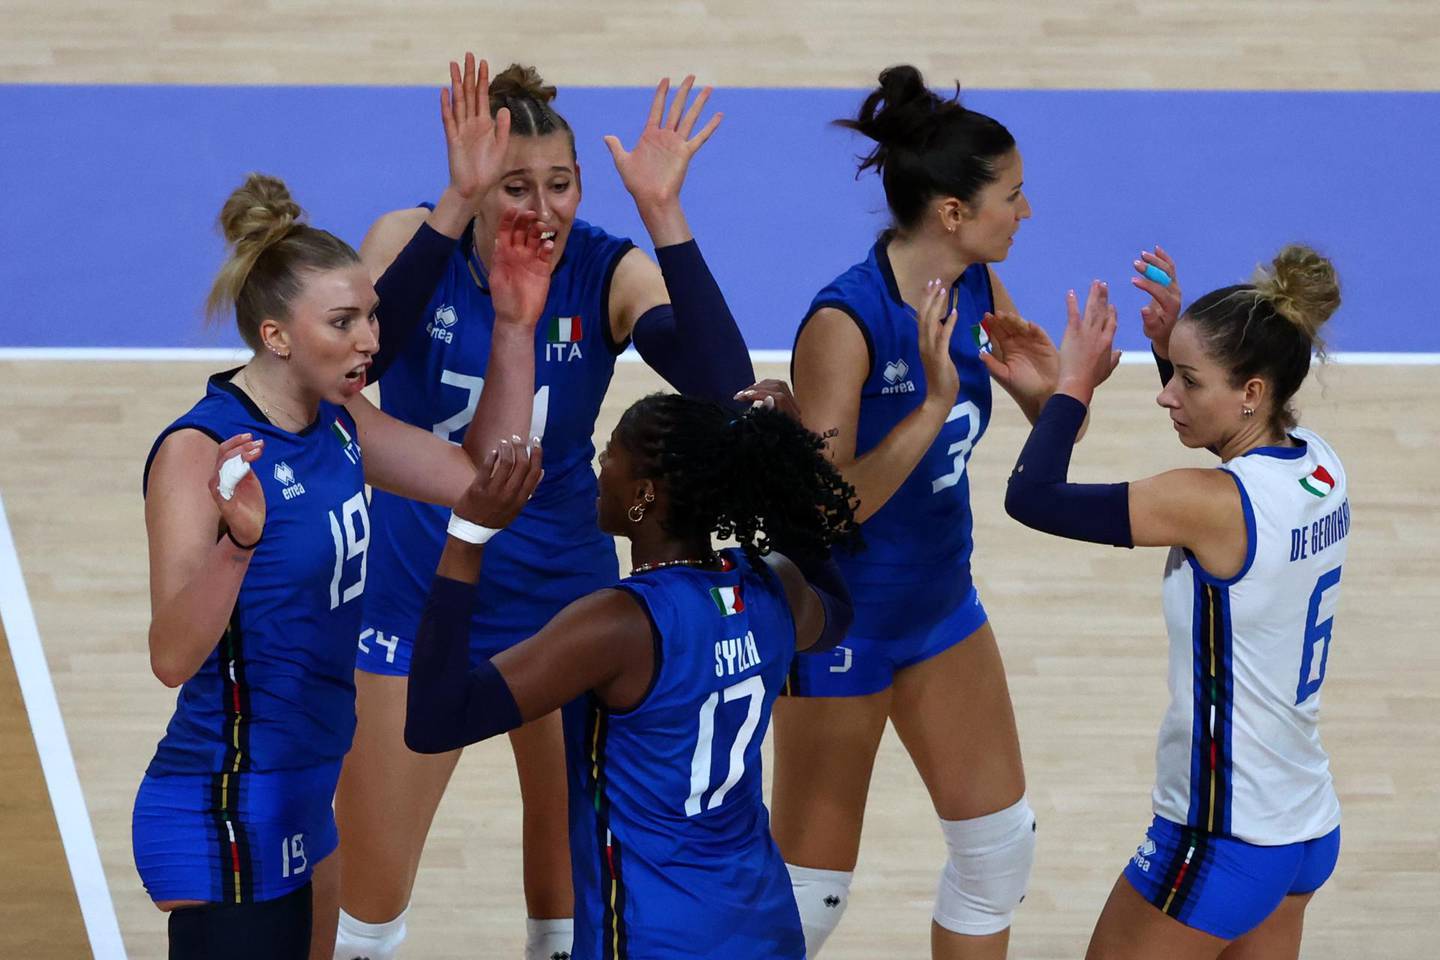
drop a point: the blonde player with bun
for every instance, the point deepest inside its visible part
(256, 578)
(1247, 823)
(605, 294)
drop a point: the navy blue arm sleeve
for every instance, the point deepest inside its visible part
(824, 578)
(1166, 368)
(404, 290)
(693, 341)
(1039, 496)
(450, 705)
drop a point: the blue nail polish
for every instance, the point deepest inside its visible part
(1155, 273)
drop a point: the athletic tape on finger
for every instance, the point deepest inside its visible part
(232, 471)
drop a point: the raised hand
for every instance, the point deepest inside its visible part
(243, 512)
(1087, 354)
(502, 485)
(1024, 360)
(474, 141)
(520, 269)
(1159, 315)
(655, 169)
(772, 395)
(937, 329)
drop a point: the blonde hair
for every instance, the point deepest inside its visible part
(1270, 327)
(270, 249)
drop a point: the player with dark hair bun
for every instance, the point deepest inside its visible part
(666, 678)
(893, 364)
(606, 294)
(1247, 822)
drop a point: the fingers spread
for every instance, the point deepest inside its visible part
(657, 104)
(693, 113)
(672, 119)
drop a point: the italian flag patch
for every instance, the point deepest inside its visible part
(564, 330)
(341, 433)
(982, 336)
(727, 600)
(1318, 483)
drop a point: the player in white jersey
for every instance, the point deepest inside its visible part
(1247, 824)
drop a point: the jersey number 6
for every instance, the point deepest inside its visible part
(1317, 631)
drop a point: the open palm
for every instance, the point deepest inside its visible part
(520, 269)
(1024, 360)
(474, 141)
(654, 171)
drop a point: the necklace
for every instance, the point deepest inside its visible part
(662, 564)
(255, 394)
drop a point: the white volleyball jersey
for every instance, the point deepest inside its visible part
(1239, 752)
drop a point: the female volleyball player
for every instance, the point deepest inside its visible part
(605, 293)
(893, 365)
(1247, 823)
(255, 584)
(667, 678)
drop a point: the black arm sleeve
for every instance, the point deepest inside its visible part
(450, 705)
(1039, 496)
(1166, 368)
(824, 577)
(404, 289)
(693, 342)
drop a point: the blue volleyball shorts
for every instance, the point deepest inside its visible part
(863, 665)
(1223, 886)
(233, 837)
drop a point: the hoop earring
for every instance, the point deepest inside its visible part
(637, 513)
(1247, 411)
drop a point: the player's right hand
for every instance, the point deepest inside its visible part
(520, 269)
(1087, 354)
(244, 513)
(1159, 315)
(937, 328)
(502, 485)
(474, 141)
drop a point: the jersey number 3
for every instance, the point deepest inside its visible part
(960, 449)
(1317, 634)
(751, 690)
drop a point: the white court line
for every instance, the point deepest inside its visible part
(56, 760)
(227, 355)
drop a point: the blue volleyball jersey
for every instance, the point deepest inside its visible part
(278, 691)
(915, 568)
(435, 384)
(669, 834)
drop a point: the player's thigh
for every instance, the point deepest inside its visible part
(1130, 928)
(1277, 938)
(824, 755)
(387, 794)
(325, 907)
(954, 716)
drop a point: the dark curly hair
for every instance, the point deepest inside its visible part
(759, 476)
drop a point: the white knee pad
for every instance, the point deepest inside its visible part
(821, 896)
(988, 871)
(358, 940)
(549, 939)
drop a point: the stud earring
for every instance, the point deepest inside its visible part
(1247, 411)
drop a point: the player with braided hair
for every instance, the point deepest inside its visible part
(668, 677)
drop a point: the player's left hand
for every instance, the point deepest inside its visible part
(502, 485)
(1158, 317)
(520, 269)
(1024, 360)
(1087, 354)
(654, 171)
(771, 395)
(474, 141)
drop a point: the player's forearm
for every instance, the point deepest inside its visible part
(505, 407)
(882, 469)
(665, 221)
(185, 628)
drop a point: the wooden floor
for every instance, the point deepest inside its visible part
(1080, 627)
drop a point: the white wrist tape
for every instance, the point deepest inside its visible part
(232, 471)
(462, 529)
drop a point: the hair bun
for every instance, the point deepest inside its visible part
(1303, 287)
(521, 82)
(259, 213)
(900, 111)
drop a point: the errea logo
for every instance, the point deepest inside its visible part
(1143, 853)
(290, 488)
(440, 327)
(895, 374)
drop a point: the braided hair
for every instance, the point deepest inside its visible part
(759, 477)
